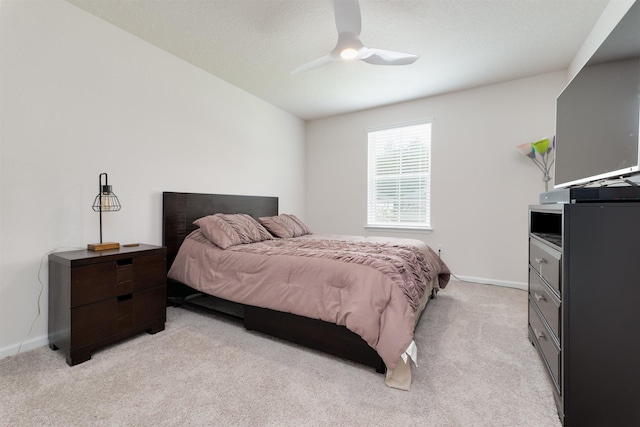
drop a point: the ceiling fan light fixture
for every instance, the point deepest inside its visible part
(349, 53)
(349, 47)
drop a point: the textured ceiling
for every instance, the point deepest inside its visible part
(254, 44)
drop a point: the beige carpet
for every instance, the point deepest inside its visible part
(476, 368)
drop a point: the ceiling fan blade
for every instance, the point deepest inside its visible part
(313, 64)
(349, 46)
(347, 16)
(388, 57)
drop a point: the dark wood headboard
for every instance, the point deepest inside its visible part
(179, 210)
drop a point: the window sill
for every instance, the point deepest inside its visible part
(405, 229)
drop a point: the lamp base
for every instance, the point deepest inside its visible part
(103, 246)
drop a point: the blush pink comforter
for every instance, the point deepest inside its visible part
(370, 285)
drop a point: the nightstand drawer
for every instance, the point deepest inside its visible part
(103, 319)
(547, 303)
(149, 305)
(94, 322)
(546, 261)
(544, 342)
(150, 272)
(92, 283)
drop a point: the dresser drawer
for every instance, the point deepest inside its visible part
(547, 262)
(547, 303)
(544, 342)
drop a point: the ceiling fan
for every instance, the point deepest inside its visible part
(349, 46)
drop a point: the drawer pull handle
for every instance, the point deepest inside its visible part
(541, 260)
(539, 297)
(539, 335)
(125, 297)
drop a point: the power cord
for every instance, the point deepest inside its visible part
(452, 275)
(10, 358)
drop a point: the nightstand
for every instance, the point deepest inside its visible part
(99, 298)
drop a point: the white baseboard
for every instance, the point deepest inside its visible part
(503, 283)
(26, 346)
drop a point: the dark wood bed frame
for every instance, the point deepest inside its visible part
(179, 212)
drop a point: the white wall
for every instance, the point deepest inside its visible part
(81, 97)
(481, 186)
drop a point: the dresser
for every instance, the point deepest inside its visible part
(584, 308)
(99, 298)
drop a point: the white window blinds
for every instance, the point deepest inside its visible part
(399, 177)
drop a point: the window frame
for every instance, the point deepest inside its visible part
(403, 134)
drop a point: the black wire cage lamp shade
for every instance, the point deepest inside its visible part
(105, 201)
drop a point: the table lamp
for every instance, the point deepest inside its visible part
(105, 201)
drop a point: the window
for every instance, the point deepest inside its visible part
(399, 177)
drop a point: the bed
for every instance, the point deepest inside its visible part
(274, 300)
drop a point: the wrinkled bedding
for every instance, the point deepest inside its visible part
(373, 286)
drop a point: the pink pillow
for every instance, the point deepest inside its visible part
(218, 231)
(225, 230)
(302, 226)
(285, 226)
(249, 230)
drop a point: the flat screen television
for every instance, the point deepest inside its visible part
(598, 113)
